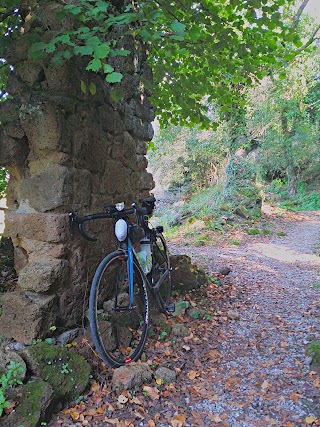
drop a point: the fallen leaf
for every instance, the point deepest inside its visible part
(75, 415)
(122, 399)
(95, 387)
(295, 397)
(265, 386)
(159, 381)
(151, 423)
(316, 382)
(176, 423)
(182, 418)
(112, 421)
(215, 418)
(192, 375)
(310, 420)
(153, 392)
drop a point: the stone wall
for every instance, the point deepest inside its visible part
(66, 149)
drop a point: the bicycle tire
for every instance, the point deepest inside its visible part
(119, 335)
(160, 264)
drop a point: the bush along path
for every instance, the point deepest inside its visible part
(241, 352)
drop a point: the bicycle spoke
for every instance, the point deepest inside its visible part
(119, 329)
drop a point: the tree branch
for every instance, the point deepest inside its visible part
(299, 13)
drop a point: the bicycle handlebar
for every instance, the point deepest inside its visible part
(111, 212)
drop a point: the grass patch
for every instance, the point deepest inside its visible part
(201, 240)
(266, 231)
(234, 242)
(252, 231)
(281, 234)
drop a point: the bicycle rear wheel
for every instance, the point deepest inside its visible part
(119, 330)
(161, 271)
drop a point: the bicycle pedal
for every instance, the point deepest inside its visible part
(170, 307)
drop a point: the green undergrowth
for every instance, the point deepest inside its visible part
(306, 199)
(314, 352)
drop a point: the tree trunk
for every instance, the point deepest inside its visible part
(293, 177)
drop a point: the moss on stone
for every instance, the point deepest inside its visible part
(66, 371)
(33, 400)
(314, 352)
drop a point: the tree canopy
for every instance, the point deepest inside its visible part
(199, 51)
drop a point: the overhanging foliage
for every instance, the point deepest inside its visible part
(199, 51)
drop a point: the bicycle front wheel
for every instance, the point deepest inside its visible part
(161, 272)
(119, 328)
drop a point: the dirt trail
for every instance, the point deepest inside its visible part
(246, 366)
(261, 375)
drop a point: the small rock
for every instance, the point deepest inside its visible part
(181, 307)
(180, 330)
(224, 271)
(132, 375)
(233, 315)
(198, 313)
(15, 346)
(166, 375)
(68, 336)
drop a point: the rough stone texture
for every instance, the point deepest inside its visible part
(34, 399)
(186, 276)
(129, 376)
(65, 371)
(7, 356)
(26, 315)
(165, 374)
(180, 330)
(65, 150)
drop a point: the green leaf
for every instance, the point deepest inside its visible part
(51, 47)
(116, 95)
(74, 10)
(37, 47)
(102, 6)
(94, 65)
(114, 77)
(92, 88)
(119, 52)
(107, 68)
(93, 41)
(83, 50)
(101, 51)
(64, 38)
(178, 28)
(83, 87)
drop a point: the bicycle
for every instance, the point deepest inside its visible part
(119, 301)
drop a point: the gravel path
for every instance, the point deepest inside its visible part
(261, 376)
(246, 366)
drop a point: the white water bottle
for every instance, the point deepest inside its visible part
(144, 256)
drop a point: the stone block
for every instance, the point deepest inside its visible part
(35, 249)
(49, 189)
(146, 181)
(14, 147)
(41, 124)
(110, 119)
(185, 275)
(26, 316)
(45, 227)
(43, 275)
